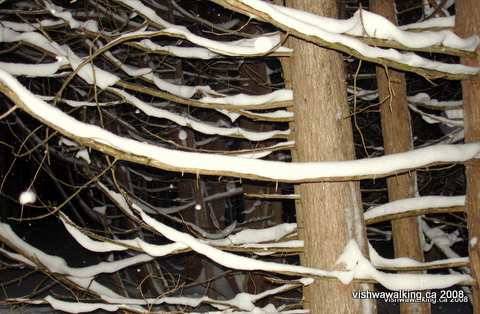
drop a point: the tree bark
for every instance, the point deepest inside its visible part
(330, 212)
(467, 22)
(397, 137)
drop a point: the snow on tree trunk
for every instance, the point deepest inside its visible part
(330, 212)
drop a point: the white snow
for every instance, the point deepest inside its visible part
(380, 261)
(473, 242)
(266, 151)
(83, 154)
(420, 99)
(64, 55)
(197, 125)
(117, 198)
(440, 239)
(432, 119)
(272, 245)
(130, 70)
(33, 70)
(66, 15)
(377, 26)
(30, 27)
(357, 265)
(17, 257)
(27, 197)
(249, 46)
(306, 281)
(242, 301)
(354, 260)
(67, 142)
(371, 25)
(281, 171)
(183, 91)
(274, 114)
(181, 52)
(86, 242)
(362, 23)
(102, 210)
(411, 204)
(80, 307)
(182, 135)
(33, 38)
(440, 22)
(99, 246)
(57, 264)
(77, 103)
(455, 114)
(89, 283)
(250, 100)
(101, 78)
(274, 233)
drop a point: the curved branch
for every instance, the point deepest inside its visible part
(212, 164)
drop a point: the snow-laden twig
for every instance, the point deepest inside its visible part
(79, 307)
(242, 301)
(408, 205)
(356, 264)
(58, 265)
(33, 70)
(247, 238)
(440, 239)
(432, 118)
(437, 22)
(104, 79)
(251, 46)
(195, 124)
(405, 263)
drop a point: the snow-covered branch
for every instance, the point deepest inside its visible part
(127, 149)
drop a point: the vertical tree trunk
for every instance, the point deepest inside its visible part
(468, 23)
(397, 138)
(330, 212)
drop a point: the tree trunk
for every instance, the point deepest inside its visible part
(397, 138)
(330, 212)
(468, 23)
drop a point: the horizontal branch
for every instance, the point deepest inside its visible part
(192, 52)
(415, 206)
(414, 213)
(356, 264)
(273, 196)
(236, 103)
(277, 16)
(442, 264)
(376, 42)
(258, 46)
(198, 125)
(201, 104)
(212, 164)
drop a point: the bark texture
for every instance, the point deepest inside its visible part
(330, 212)
(467, 23)
(397, 137)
